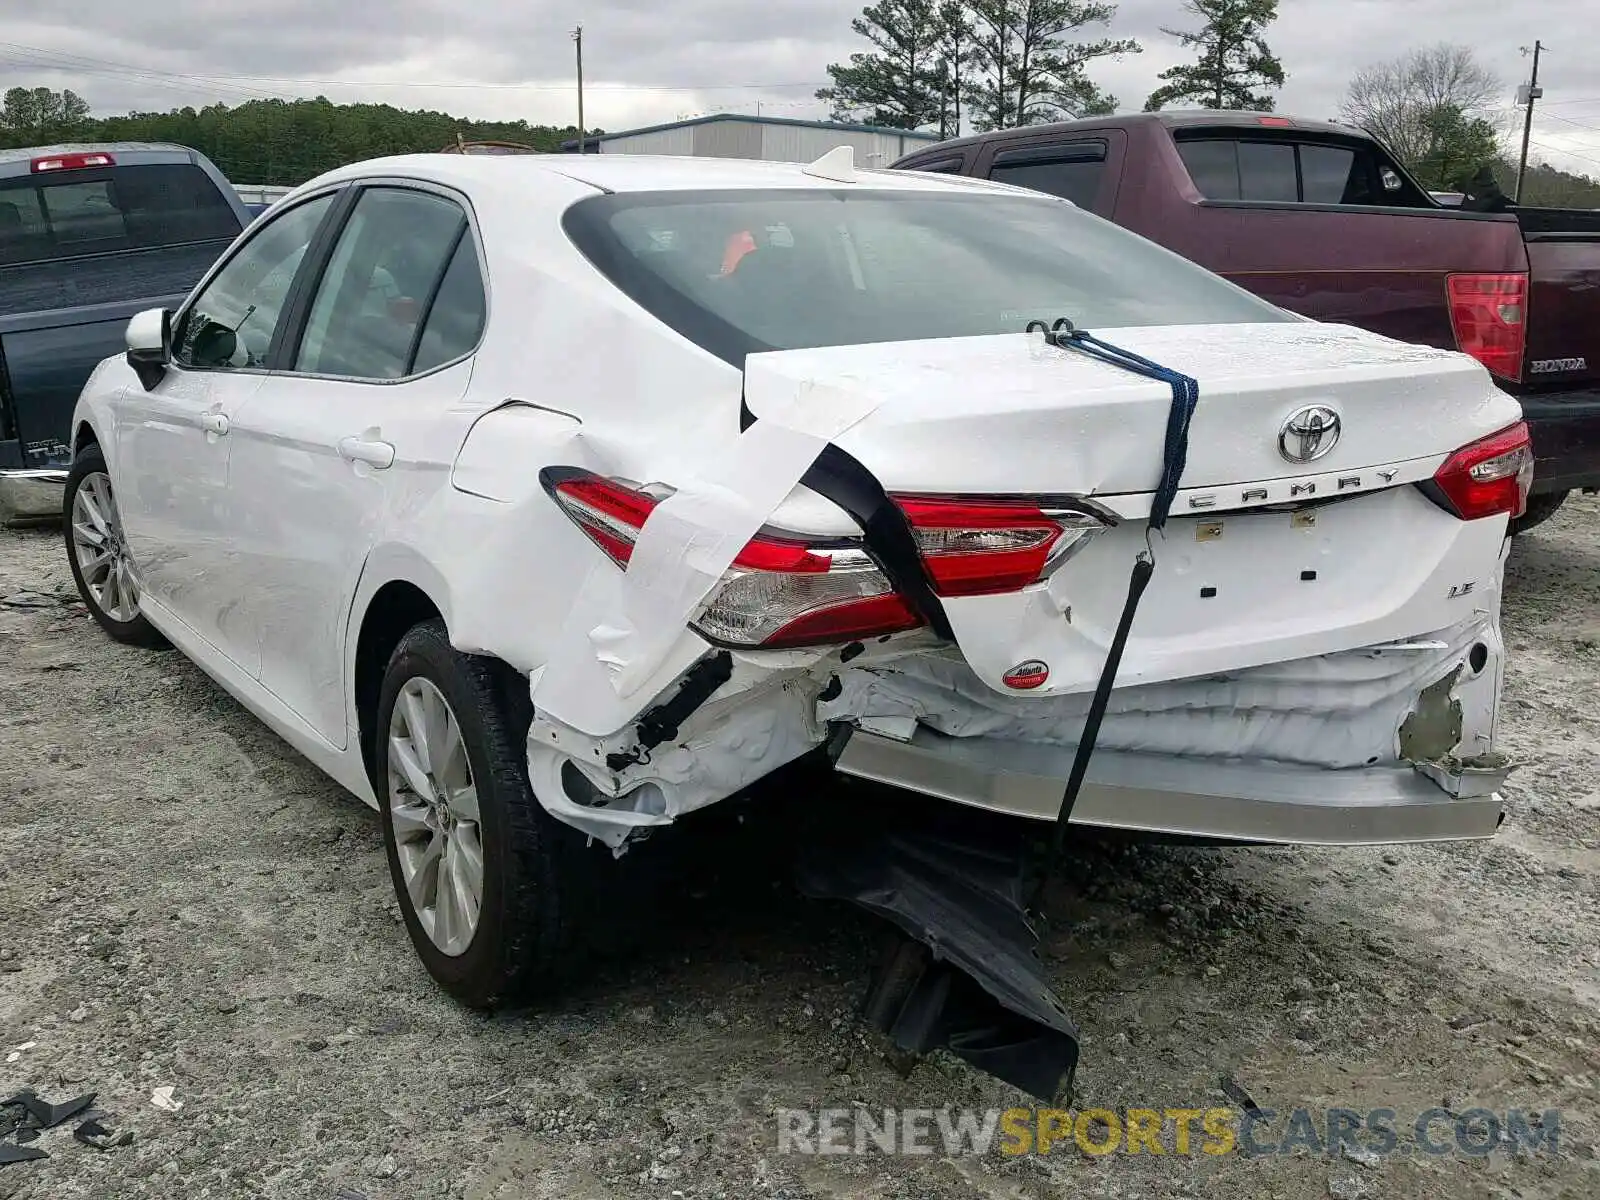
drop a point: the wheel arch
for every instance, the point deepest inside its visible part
(398, 590)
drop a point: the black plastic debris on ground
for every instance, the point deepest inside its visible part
(963, 973)
(93, 1133)
(25, 1115)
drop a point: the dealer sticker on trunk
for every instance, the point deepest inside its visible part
(1553, 366)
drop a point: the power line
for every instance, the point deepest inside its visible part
(220, 79)
(1563, 150)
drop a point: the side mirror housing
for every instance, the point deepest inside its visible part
(149, 339)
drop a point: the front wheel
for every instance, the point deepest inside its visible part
(1540, 509)
(488, 882)
(97, 552)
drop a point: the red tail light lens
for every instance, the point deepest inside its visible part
(986, 547)
(781, 592)
(1488, 313)
(1490, 477)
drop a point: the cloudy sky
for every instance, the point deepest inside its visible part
(658, 60)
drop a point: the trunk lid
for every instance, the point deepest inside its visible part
(1007, 414)
(1265, 559)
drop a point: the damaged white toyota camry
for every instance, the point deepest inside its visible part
(542, 500)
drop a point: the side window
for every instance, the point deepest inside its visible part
(1071, 172)
(1266, 172)
(940, 166)
(390, 254)
(1214, 168)
(231, 323)
(1329, 176)
(455, 322)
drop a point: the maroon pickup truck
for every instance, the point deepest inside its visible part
(1322, 220)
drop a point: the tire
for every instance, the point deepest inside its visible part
(536, 873)
(110, 590)
(1540, 509)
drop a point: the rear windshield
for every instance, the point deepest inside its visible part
(103, 209)
(740, 272)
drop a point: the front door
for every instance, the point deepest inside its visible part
(172, 441)
(359, 425)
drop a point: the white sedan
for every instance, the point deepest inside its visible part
(541, 500)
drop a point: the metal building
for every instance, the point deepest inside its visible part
(774, 139)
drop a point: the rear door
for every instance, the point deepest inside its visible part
(359, 422)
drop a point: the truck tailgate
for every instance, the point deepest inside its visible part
(70, 314)
(1560, 389)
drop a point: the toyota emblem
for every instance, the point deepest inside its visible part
(1308, 433)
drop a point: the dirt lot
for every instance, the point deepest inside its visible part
(187, 903)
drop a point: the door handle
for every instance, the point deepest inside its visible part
(214, 422)
(360, 450)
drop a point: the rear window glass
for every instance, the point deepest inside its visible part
(747, 271)
(104, 209)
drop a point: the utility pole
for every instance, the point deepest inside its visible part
(577, 38)
(1532, 92)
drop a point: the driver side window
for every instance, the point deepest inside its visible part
(230, 324)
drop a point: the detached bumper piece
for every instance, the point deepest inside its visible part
(31, 494)
(963, 973)
(1215, 800)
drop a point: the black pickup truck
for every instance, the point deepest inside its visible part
(1320, 219)
(89, 236)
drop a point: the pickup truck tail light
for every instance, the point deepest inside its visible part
(982, 547)
(782, 591)
(1488, 478)
(1488, 314)
(71, 162)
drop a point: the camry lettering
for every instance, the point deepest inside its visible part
(1291, 489)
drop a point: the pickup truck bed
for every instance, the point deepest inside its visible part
(1321, 220)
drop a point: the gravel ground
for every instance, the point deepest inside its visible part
(188, 904)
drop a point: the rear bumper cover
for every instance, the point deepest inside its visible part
(31, 493)
(1565, 427)
(1168, 795)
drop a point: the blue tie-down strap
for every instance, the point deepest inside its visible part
(1185, 396)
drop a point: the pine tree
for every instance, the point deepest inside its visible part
(1025, 69)
(1234, 59)
(900, 85)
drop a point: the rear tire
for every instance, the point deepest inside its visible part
(533, 872)
(97, 552)
(1540, 509)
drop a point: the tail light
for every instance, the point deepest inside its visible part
(1488, 314)
(1488, 478)
(781, 592)
(985, 547)
(71, 162)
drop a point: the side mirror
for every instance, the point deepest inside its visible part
(149, 339)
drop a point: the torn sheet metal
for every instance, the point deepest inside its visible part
(692, 538)
(1330, 711)
(972, 983)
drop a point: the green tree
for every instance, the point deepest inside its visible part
(898, 84)
(290, 141)
(36, 116)
(953, 53)
(1456, 146)
(1235, 63)
(1411, 103)
(1025, 67)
